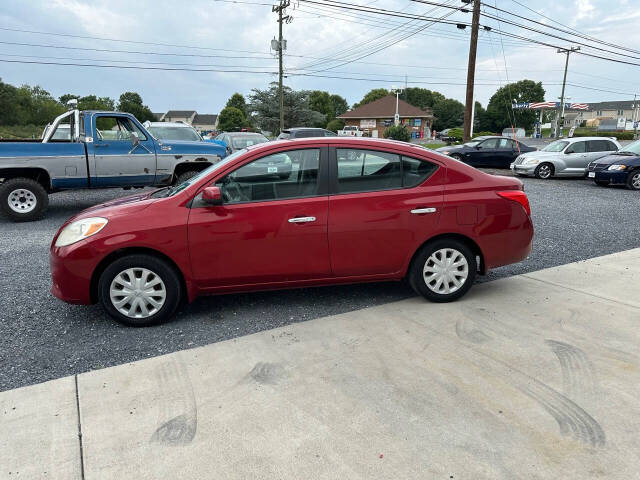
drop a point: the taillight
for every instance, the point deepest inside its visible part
(517, 196)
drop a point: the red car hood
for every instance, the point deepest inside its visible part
(118, 206)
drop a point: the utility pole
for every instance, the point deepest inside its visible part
(564, 81)
(634, 116)
(280, 47)
(471, 70)
(396, 117)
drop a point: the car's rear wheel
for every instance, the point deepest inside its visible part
(443, 270)
(23, 199)
(633, 180)
(544, 171)
(140, 290)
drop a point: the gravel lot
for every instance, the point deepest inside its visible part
(42, 338)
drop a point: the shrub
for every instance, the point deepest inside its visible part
(399, 132)
(617, 135)
(335, 125)
(483, 134)
(456, 133)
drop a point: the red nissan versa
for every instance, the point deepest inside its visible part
(350, 210)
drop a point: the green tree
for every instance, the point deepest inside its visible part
(399, 132)
(335, 125)
(500, 114)
(329, 105)
(90, 102)
(422, 97)
(372, 96)
(8, 104)
(265, 104)
(237, 101)
(131, 102)
(448, 113)
(230, 119)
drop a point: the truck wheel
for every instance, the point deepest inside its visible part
(23, 199)
(183, 177)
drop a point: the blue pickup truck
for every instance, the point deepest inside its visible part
(95, 150)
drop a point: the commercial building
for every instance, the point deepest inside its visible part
(375, 117)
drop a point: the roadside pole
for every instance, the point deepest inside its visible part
(634, 115)
(280, 47)
(564, 81)
(471, 71)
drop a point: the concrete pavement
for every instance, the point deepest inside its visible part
(534, 376)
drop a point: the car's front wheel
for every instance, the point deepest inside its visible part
(443, 270)
(633, 181)
(457, 156)
(544, 171)
(140, 290)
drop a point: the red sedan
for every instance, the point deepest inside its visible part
(348, 210)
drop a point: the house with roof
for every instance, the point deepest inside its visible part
(375, 117)
(606, 112)
(203, 122)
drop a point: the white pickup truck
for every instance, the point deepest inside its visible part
(350, 131)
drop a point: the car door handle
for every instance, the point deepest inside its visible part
(418, 211)
(302, 219)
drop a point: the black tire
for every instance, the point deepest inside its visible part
(159, 268)
(544, 171)
(457, 156)
(417, 276)
(601, 183)
(18, 194)
(633, 180)
(184, 176)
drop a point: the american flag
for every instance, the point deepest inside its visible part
(542, 105)
(579, 106)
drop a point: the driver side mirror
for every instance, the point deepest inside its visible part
(212, 196)
(135, 141)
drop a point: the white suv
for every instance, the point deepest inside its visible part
(566, 157)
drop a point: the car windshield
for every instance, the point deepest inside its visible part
(556, 146)
(244, 141)
(175, 133)
(632, 148)
(171, 191)
(284, 135)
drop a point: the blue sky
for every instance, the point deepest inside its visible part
(235, 36)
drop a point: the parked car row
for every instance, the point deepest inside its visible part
(602, 159)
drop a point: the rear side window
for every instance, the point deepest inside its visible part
(369, 170)
(328, 133)
(611, 147)
(308, 134)
(284, 135)
(599, 145)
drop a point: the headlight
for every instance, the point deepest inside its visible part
(617, 167)
(79, 230)
(530, 161)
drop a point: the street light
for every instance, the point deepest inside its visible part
(396, 117)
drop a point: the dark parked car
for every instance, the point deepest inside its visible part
(356, 210)
(304, 132)
(487, 151)
(239, 140)
(619, 168)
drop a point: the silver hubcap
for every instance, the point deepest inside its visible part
(445, 271)
(137, 293)
(545, 171)
(22, 201)
(635, 181)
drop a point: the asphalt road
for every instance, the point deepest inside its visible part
(42, 338)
